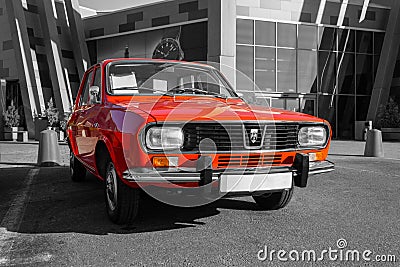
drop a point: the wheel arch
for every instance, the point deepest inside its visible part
(103, 151)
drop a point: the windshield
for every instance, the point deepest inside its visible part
(133, 78)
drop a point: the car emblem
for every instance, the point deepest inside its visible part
(253, 135)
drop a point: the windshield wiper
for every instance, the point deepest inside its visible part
(195, 90)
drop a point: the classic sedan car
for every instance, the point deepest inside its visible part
(143, 124)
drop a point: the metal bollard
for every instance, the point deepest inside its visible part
(373, 146)
(49, 152)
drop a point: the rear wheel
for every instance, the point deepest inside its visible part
(76, 169)
(122, 202)
(275, 200)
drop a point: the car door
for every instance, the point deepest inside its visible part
(80, 124)
(91, 124)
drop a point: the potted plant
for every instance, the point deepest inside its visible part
(51, 114)
(388, 121)
(63, 126)
(11, 120)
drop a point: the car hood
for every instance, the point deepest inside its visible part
(180, 109)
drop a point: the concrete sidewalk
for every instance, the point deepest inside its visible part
(356, 148)
(18, 154)
(25, 154)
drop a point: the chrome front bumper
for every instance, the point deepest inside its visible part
(175, 175)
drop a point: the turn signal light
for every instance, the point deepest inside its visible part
(165, 162)
(318, 156)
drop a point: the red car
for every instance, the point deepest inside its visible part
(177, 131)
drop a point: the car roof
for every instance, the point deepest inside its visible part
(152, 60)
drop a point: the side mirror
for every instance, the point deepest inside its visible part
(94, 92)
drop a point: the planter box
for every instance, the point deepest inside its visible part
(11, 134)
(391, 134)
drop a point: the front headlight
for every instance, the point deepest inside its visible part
(165, 138)
(312, 136)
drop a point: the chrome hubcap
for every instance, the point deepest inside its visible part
(111, 187)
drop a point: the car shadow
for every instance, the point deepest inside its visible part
(57, 205)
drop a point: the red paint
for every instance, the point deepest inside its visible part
(104, 122)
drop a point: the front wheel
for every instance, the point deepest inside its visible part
(275, 200)
(122, 202)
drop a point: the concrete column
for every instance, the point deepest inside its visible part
(387, 62)
(48, 17)
(80, 50)
(2, 106)
(23, 57)
(222, 36)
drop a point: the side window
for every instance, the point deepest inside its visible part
(97, 82)
(84, 100)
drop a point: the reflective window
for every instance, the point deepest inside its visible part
(346, 40)
(378, 42)
(307, 71)
(278, 103)
(287, 35)
(307, 106)
(307, 37)
(327, 71)
(265, 33)
(346, 117)
(309, 59)
(293, 104)
(364, 42)
(364, 75)
(327, 38)
(265, 69)
(362, 106)
(327, 110)
(346, 79)
(245, 66)
(286, 70)
(245, 31)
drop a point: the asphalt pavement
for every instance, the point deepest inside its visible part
(46, 220)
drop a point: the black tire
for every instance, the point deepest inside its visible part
(76, 169)
(122, 202)
(275, 200)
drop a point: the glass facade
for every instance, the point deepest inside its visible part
(320, 70)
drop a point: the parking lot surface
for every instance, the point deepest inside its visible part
(46, 220)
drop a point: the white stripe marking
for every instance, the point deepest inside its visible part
(12, 221)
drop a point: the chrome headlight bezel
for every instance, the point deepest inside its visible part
(313, 136)
(164, 138)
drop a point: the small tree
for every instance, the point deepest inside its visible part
(389, 115)
(64, 121)
(11, 116)
(51, 113)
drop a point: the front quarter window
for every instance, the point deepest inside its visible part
(84, 97)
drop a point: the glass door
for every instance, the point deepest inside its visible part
(303, 104)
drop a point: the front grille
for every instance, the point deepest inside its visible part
(248, 161)
(235, 137)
